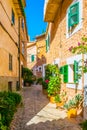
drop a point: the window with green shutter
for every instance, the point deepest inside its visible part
(65, 78)
(32, 58)
(75, 72)
(47, 43)
(73, 15)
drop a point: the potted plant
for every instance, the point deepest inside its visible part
(71, 108)
(28, 76)
(53, 87)
(60, 99)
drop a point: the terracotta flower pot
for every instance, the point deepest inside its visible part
(59, 104)
(72, 113)
(52, 99)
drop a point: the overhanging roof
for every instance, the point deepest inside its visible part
(50, 9)
(19, 6)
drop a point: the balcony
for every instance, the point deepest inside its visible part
(50, 9)
(19, 6)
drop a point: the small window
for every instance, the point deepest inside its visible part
(13, 17)
(10, 62)
(73, 16)
(22, 23)
(17, 86)
(32, 58)
(22, 48)
(40, 68)
(10, 86)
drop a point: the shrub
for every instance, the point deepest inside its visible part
(54, 85)
(84, 125)
(28, 76)
(39, 81)
(8, 104)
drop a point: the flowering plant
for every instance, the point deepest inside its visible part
(47, 81)
(81, 49)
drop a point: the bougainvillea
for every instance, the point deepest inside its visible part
(81, 48)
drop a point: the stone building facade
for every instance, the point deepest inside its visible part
(31, 56)
(11, 12)
(41, 54)
(67, 24)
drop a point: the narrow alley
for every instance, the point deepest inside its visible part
(36, 113)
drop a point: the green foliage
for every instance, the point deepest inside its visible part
(44, 84)
(70, 104)
(58, 98)
(54, 85)
(84, 125)
(51, 70)
(8, 104)
(74, 102)
(53, 76)
(39, 81)
(81, 49)
(28, 76)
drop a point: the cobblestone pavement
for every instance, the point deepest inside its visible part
(37, 113)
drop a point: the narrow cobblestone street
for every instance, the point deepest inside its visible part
(37, 113)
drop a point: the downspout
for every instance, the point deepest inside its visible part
(19, 51)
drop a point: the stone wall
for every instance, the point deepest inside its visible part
(4, 83)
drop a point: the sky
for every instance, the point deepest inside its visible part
(34, 17)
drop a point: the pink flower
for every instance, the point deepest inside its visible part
(46, 80)
(79, 43)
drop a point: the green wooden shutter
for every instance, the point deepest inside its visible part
(75, 72)
(73, 14)
(46, 45)
(62, 70)
(65, 79)
(32, 58)
(69, 19)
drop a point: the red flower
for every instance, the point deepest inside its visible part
(46, 80)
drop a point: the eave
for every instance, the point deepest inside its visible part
(19, 6)
(50, 9)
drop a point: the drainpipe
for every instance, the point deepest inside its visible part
(19, 51)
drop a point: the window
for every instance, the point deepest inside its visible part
(47, 43)
(74, 18)
(70, 73)
(10, 62)
(22, 48)
(22, 23)
(17, 86)
(32, 58)
(40, 68)
(13, 17)
(10, 86)
(73, 15)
